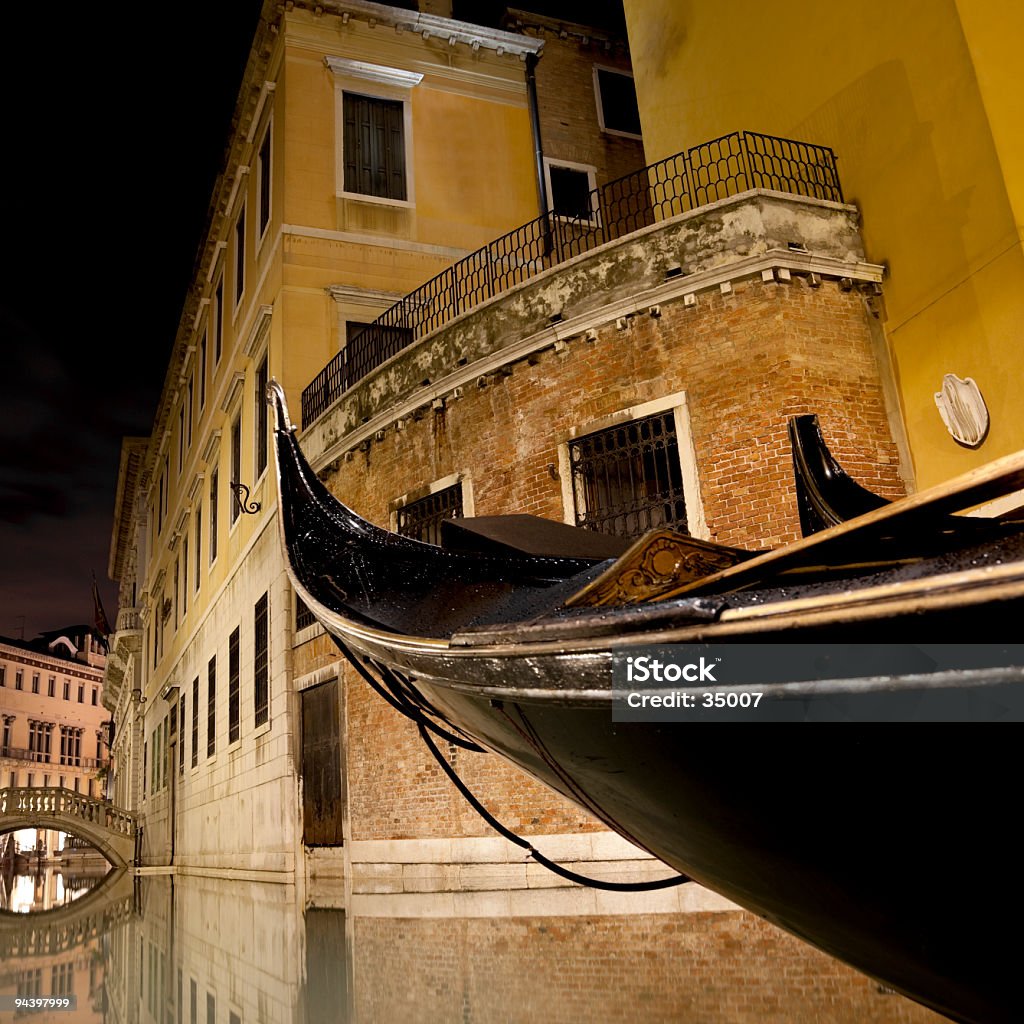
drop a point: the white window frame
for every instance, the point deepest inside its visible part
(599, 102)
(383, 83)
(591, 172)
(678, 403)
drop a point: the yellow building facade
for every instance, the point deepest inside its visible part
(921, 101)
(370, 148)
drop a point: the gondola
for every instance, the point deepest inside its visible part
(891, 848)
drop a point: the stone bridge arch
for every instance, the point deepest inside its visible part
(110, 829)
(50, 932)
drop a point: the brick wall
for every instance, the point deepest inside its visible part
(747, 360)
(730, 968)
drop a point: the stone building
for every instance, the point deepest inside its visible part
(53, 721)
(372, 147)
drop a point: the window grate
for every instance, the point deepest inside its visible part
(303, 616)
(628, 479)
(422, 519)
(261, 688)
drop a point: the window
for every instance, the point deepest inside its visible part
(373, 131)
(617, 110)
(19, 677)
(211, 707)
(181, 735)
(160, 506)
(571, 190)
(35, 682)
(202, 372)
(233, 674)
(211, 1009)
(213, 516)
(95, 696)
(236, 467)
(195, 721)
(81, 693)
(240, 255)
(51, 687)
(261, 688)
(218, 321)
(188, 409)
(628, 479)
(3, 676)
(184, 576)
(67, 689)
(422, 519)
(303, 616)
(181, 439)
(8, 722)
(263, 184)
(192, 999)
(262, 410)
(199, 541)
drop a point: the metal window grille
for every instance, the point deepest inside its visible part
(195, 721)
(374, 145)
(211, 707)
(303, 616)
(262, 410)
(261, 688)
(628, 479)
(233, 674)
(422, 519)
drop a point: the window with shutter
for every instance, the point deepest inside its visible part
(374, 146)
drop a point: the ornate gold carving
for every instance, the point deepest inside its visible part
(658, 561)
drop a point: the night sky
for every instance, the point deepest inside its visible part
(117, 117)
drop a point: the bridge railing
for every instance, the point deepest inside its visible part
(28, 802)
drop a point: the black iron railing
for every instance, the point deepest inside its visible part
(696, 177)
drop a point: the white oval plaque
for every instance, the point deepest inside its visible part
(963, 410)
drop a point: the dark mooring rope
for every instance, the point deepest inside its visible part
(401, 703)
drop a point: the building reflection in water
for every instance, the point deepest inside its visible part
(213, 951)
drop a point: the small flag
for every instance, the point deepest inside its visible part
(99, 615)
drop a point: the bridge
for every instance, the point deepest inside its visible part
(110, 829)
(49, 932)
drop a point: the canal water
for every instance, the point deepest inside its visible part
(162, 949)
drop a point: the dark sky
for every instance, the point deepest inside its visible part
(116, 121)
(116, 118)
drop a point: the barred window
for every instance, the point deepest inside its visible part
(233, 674)
(303, 616)
(628, 479)
(195, 721)
(421, 519)
(211, 707)
(261, 687)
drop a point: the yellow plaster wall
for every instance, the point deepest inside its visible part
(933, 160)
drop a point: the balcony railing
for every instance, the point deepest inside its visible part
(696, 177)
(52, 758)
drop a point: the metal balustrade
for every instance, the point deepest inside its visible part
(696, 177)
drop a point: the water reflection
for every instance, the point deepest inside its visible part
(191, 950)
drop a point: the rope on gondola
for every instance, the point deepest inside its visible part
(512, 837)
(401, 703)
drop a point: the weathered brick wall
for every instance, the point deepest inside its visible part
(747, 360)
(730, 968)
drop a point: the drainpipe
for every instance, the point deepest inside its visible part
(538, 146)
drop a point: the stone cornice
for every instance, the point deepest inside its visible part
(429, 26)
(376, 73)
